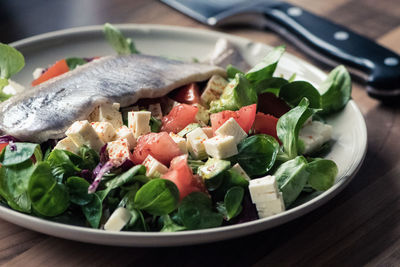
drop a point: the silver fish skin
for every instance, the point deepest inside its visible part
(46, 111)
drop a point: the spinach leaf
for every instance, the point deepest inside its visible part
(322, 174)
(61, 165)
(78, 190)
(157, 197)
(155, 125)
(257, 154)
(231, 71)
(122, 45)
(48, 197)
(231, 178)
(196, 212)
(335, 90)
(169, 225)
(11, 62)
(14, 182)
(90, 158)
(3, 96)
(271, 85)
(238, 93)
(291, 177)
(74, 62)
(233, 202)
(20, 153)
(93, 211)
(294, 92)
(289, 125)
(266, 68)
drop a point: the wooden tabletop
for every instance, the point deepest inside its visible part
(360, 226)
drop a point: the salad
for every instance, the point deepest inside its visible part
(229, 150)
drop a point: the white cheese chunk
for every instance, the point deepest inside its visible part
(154, 168)
(104, 130)
(221, 147)
(138, 122)
(67, 144)
(180, 141)
(37, 73)
(82, 133)
(314, 135)
(271, 207)
(261, 186)
(208, 131)
(118, 151)
(202, 115)
(239, 169)
(13, 88)
(107, 113)
(156, 111)
(195, 143)
(214, 89)
(231, 127)
(123, 132)
(118, 219)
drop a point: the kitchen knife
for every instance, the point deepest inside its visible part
(326, 41)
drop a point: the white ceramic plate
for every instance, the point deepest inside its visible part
(349, 126)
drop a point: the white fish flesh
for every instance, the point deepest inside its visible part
(47, 110)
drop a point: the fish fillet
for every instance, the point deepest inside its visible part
(47, 110)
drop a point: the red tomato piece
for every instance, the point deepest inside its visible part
(178, 118)
(244, 117)
(181, 174)
(188, 94)
(160, 145)
(268, 103)
(2, 146)
(58, 68)
(265, 124)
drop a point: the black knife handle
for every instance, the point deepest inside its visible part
(338, 44)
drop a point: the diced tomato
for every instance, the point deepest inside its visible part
(160, 145)
(178, 118)
(244, 117)
(268, 103)
(58, 68)
(2, 146)
(265, 124)
(180, 173)
(188, 94)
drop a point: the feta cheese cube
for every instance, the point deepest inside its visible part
(118, 151)
(239, 169)
(208, 131)
(154, 168)
(107, 113)
(138, 122)
(270, 207)
(118, 219)
(104, 130)
(82, 133)
(261, 186)
(202, 116)
(156, 111)
(37, 73)
(221, 147)
(67, 144)
(123, 132)
(180, 141)
(231, 127)
(314, 135)
(195, 143)
(214, 89)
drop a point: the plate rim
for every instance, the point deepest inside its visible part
(147, 239)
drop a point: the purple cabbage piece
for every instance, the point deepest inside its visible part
(104, 155)
(100, 173)
(8, 139)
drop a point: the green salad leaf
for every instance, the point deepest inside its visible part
(122, 45)
(19, 153)
(48, 197)
(294, 92)
(238, 93)
(93, 211)
(169, 225)
(78, 190)
(233, 202)
(322, 173)
(11, 62)
(61, 165)
(231, 71)
(157, 197)
(291, 177)
(74, 62)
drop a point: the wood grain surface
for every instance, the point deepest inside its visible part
(361, 226)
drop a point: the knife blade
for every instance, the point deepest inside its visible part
(320, 38)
